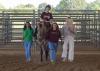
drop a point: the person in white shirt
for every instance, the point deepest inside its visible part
(68, 46)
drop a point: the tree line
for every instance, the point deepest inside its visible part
(64, 5)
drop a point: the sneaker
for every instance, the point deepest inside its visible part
(53, 62)
(70, 60)
(64, 59)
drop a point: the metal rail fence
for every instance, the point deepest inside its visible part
(87, 24)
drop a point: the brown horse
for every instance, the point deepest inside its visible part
(41, 40)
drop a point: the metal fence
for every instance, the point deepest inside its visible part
(87, 24)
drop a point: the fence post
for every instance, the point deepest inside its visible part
(6, 28)
(3, 28)
(98, 28)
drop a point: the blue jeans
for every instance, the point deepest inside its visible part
(27, 46)
(53, 50)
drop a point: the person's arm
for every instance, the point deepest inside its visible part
(60, 37)
(42, 15)
(71, 26)
(62, 30)
(24, 34)
(33, 30)
(47, 35)
(51, 17)
(72, 29)
(59, 34)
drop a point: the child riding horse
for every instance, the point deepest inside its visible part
(46, 17)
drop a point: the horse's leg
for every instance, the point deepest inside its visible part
(47, 53)
(41, 53)
(46, 50)
(41, 50)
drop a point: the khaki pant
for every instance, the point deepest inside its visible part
(68, 48)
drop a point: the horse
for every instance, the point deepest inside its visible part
(41, 40)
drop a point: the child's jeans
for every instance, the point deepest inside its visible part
(27, 46)
(53, 50)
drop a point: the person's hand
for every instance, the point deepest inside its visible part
(61, 41)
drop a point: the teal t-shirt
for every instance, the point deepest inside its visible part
(28, 34)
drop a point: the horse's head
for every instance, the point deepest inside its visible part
(41, 30)
(41, 25)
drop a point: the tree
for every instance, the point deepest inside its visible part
(42, 6)
(79, 4)
(2, 7)
(71, 5)
(64, 4)
(94, 5)
(25, 6)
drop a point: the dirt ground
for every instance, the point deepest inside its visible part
(14, 60)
